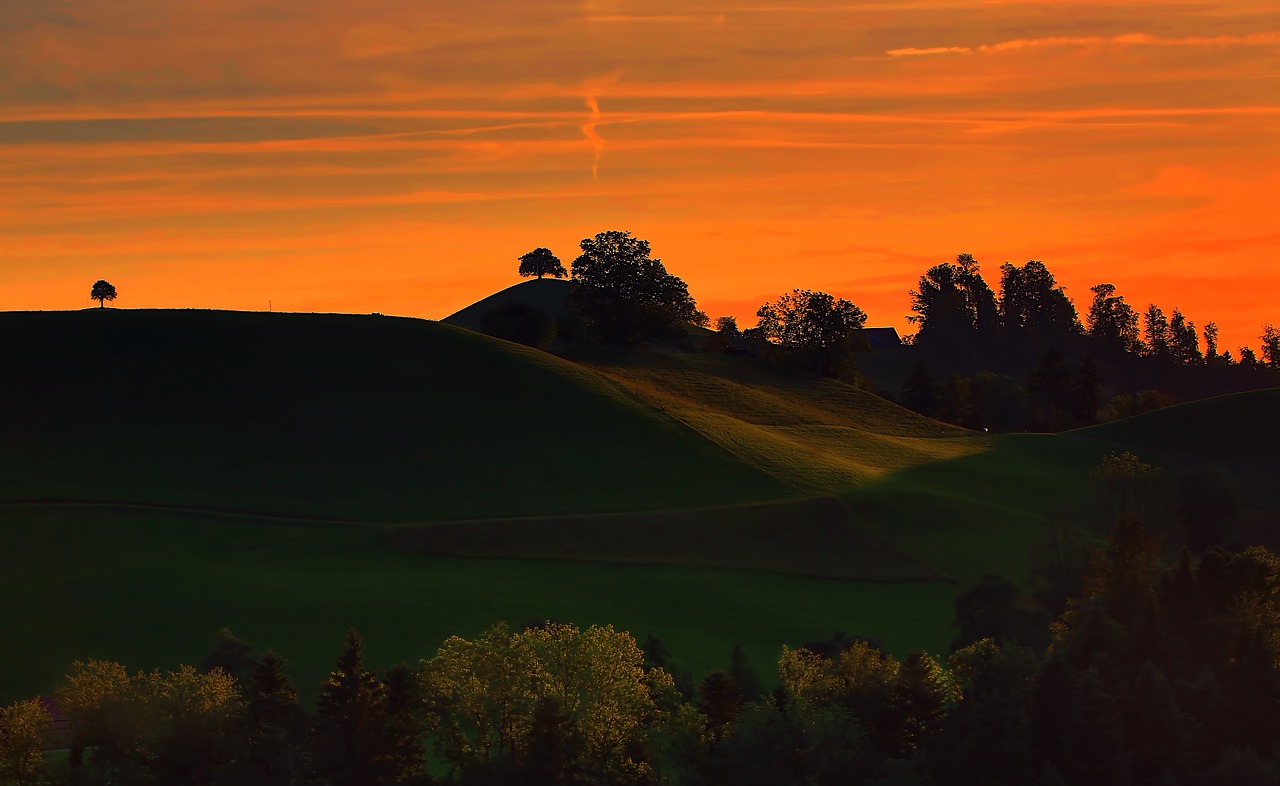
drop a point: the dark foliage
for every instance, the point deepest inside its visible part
(541, 262)
(625, 296)
(102, 292)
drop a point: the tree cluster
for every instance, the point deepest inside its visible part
(1160, 671)
(625, 296)
(1022, 359)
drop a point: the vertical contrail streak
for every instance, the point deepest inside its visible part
(589, 131)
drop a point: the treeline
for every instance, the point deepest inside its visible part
(1023, 359)
(1020, 358)
(1158, 672)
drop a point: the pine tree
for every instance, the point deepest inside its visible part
(351, 732)
(403, 699)
(720, 700)
(275, 725)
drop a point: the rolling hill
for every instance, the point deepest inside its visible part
(166, 473)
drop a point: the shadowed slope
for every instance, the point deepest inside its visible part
(548, 295)
(338, 417)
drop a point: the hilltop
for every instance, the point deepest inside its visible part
(547, 295)
(167, 473)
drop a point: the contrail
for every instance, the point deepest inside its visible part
(589, 131)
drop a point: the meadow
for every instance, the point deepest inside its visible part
(169, 473)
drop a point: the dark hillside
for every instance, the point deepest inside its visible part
(547, 295)
(328, 416)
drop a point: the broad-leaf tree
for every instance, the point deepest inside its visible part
(541, 262)
(952, 299)
(26, 730)
(1111, 319)
(624, 294)
(1031, 298)
(820, 328)
(102, 292)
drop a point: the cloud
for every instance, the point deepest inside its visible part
(589, 131)
(932, 50)
(1268, 38)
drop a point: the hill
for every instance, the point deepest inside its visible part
(333, 417)
(168, 473)
(548, 295)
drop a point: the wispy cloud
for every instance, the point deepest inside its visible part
(1268, 38)
(589, 131)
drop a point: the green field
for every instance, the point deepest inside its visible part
(149, 589)
(167, 473)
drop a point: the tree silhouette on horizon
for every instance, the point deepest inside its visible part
(102, 292)
(541, 262)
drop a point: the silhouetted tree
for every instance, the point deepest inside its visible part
(727, 326)
(952, 301)
(719, 699)
(541, 262)
(230, 653)
(922, 692)
(1184, 342)
(404, 730)
(1111, 320)
(1031, 298)
(351, 732)
(1211, 343)
(1271, 346)
(820, 329)
(102, 292)
(274, 726)
(1155, 329)
(625, 295)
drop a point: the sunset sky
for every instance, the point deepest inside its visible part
(399, 155)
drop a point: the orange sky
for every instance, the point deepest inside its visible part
(399, 155)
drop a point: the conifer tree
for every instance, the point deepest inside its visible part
(351, 734)
(275, 725)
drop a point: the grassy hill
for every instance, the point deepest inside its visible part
(167, 473)
(333, 417)
(548, 295)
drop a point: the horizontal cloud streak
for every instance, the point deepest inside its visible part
(1269, 38)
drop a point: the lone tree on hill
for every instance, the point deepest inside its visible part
(102, 292)
(541, 262)
(625, 295)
